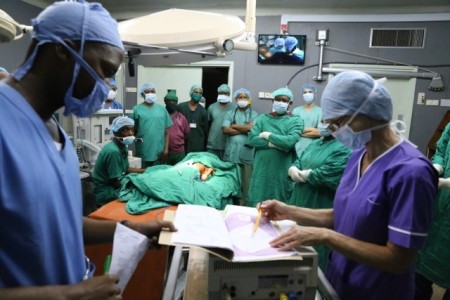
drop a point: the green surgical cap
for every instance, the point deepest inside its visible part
(224, 88)
(283, 92)
(194, 87)
(171, 96)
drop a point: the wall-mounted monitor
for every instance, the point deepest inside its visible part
(281, 49)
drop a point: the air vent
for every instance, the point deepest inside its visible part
(397, 38)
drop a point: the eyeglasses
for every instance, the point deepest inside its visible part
(334, 124)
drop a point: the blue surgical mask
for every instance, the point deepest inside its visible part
(323, 129)
(280, 107)
(223, 99)
(79, 107)
(308, 97)
(150, 98)
(128, 140)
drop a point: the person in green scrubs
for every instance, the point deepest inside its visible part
(216, 115)
(311, 115)
(274, 136)
(152, 122)
(236, 126)
(317, 173)
(197, 118)
(112, 162)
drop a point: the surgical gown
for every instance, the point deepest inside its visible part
(392, 201)
(326, 158)
(311, 119)
(434, 259)
(150, 123)
(216, 115)
(112, 163)
(270, 166)
(198, 124)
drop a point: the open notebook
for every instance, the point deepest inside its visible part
(228, 234)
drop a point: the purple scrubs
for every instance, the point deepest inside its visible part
(392, 201)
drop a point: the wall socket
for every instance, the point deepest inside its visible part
(420, 98)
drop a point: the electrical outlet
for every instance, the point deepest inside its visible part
(421, 98)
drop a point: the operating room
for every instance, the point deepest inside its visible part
(405, 42)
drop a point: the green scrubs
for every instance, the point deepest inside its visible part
(198, 124)
(327, 159)
(270, 166)
(150, 123)
(112, 163)
(311, 119)
(234, 146)
(433, 260)
(216, 138)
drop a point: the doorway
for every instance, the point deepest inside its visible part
(212, 78)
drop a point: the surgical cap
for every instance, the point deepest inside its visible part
(308, 86)
(119, 122)
(194, 87)
(241, 91)
(279, 42)
(348, 91)
(283, 92)
(290, 43)
(224, 88)
(171, 96)
(146, 86)
(112, 83)
(75, 21)
(3, 70)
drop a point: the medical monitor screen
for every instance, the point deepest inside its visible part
(277, 49)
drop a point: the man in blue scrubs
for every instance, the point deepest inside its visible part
(75, 47)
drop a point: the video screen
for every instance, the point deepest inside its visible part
(281, 49)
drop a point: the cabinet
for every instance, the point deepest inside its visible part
(431, 149)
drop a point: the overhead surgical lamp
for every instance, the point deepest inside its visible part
(10, 30)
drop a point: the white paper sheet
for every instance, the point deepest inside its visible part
(129, 247)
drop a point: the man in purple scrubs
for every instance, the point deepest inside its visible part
(383, 205)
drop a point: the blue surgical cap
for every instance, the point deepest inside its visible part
(290, 43)
(279, 42)
(242, 91)
(308, 86)
(112, 83)
(119, 122)
(146, 86)
(193, 88)
(348, 91)
(3, 70)
(283, 92)
(75, 21)
(224, 88)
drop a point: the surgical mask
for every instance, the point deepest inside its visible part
(202, 104)
(280, 107)
(111, 95)
(223, 99)
(128, 140)
(196, 97)
(242, 103)
(308, 97)
(323, 130)
(171, 108)
(150, 97)
(79, 107)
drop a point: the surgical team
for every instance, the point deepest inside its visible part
(373, 206)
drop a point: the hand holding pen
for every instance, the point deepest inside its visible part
(258, 219)
(274, 210)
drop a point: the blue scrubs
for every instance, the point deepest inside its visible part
(40, 200)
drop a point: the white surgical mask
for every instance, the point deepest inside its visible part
(111, 95)
(280, 107)
(223, 99)
(308, 97)
(242, 103)
(150, 97)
